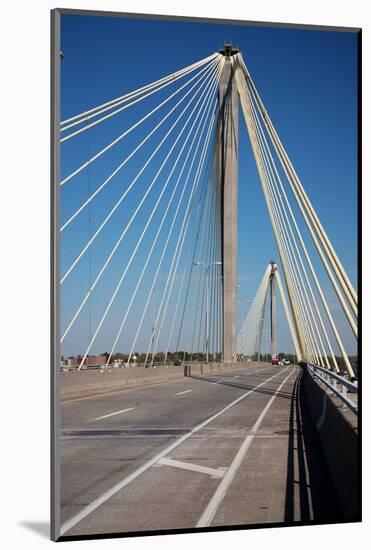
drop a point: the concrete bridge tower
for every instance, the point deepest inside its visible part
(227, 187)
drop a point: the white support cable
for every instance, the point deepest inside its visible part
(202, 331)
(197, 177)
(219, 287)
(200, 235)
(305, 317)
(199, 217)
(106, 148)
(166, 82)
(242, 89)
(293, 181)
(201, 277)
(108, 217)
(110, 302)
(247, 339)
(240, 341)
(288, 314)
(333, 326)
(159, 265)
(218, 269)
(204, 203)
(91, 125)
(180, 291)
(303, 298)
(248, 334)
(200, 302)
(188, 306)
(276, 178)
(291, 275)
(111, 104)
(220, 293)
(166, 244)
(261, 319)
(285, 244)
(209, 275)
(214, 279)
(208, 278)
(341, 274)
(336, 265)
(261, 326)
(198, 132)
(133, 217)
(133, 152)
(306, 306)
(198, 279)
(155, 280)
(198, 246)
(207, 285)
(177, 303)
(215, 293)
(294, 240)
(171, 277)
(330, 274)
(306, 322)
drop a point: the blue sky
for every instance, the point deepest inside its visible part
(307, 80)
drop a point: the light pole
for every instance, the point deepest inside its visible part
(153, 317)
(207, 266)
(241, 303)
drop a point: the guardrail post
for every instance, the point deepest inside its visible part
(344, 392)
(330, 381)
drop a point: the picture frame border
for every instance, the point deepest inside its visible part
(55, 96)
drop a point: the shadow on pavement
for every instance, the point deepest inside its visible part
(246, 387)
(307, 470)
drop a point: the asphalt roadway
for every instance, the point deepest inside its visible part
(236, 448)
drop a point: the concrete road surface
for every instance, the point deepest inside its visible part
(236, 448)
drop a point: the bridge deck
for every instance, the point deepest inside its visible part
(230, 449)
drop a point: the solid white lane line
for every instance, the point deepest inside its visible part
(214, 472)
(224, 485)
(113, 414)
(182, 392)
(67, 525)
(256, 371)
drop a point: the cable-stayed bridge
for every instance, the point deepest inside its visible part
(149, 195)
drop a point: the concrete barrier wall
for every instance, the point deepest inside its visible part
(339, 438)
(200, 369)
(87, 383)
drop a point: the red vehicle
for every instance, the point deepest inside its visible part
(274, 361)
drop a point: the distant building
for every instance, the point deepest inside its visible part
(90, 361)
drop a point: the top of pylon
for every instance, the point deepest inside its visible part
(228, 50)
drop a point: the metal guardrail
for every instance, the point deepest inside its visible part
(338, 385)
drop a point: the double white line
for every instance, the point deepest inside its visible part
(224, 485)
